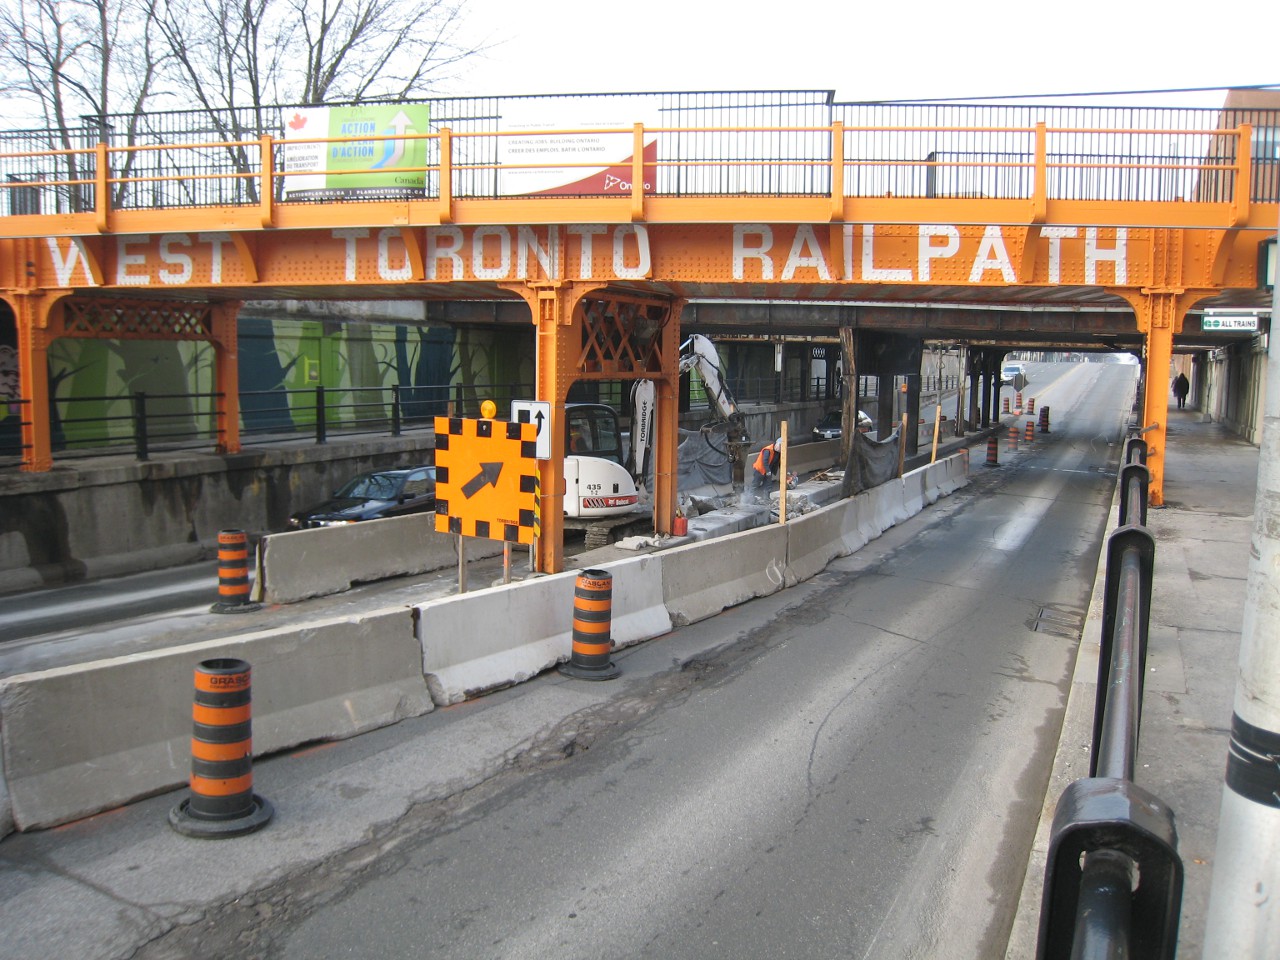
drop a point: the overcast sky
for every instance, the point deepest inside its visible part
(887, 49)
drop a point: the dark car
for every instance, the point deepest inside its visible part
(372, 496)
(830, 427)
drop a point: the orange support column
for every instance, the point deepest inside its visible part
(666, 430)
(557, 317)
(1160, 313)
(226, 356)
(36, 314)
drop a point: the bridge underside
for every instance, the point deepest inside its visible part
(1110, 326)
(630, 330)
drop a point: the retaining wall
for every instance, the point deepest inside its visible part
(100, 519)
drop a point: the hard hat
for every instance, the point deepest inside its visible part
(777, 444)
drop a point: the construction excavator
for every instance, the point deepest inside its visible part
(604, 479)
(696, 353)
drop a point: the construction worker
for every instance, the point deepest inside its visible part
(765, 467)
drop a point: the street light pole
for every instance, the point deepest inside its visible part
(1244, 899)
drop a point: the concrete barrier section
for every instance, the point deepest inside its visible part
(699, 580)
(503, 635)
(957, 471)
(871, 523)
(301, 564)
(639, 612)
(913, 500)
(492, 638)
(888, 502)
(935, 476)
(813, 541)
(854, 531)
(727, 520)
(78, 740)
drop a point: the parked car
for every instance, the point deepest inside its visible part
(372, 496)
(829, 427)
(1010, 371)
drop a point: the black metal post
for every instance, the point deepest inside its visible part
(140, 425)
(321, 432)
(1104, 916)
(395, 409)
(1118, 744)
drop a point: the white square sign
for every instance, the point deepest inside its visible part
(537, 412)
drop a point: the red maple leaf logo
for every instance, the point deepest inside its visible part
(298, 122)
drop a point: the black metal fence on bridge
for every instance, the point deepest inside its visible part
(710, 143)
(1113, 878)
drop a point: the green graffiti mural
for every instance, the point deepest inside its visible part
(282, 360)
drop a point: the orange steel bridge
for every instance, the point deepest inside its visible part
(162, 242)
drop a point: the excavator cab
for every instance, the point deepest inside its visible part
(591, 430)
(597, 483)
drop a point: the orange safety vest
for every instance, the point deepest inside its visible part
(764, 460)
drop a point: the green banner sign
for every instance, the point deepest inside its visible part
(373, 151)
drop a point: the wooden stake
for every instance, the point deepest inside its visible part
(782, 473)
(902, 445)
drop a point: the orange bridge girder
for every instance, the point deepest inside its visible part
(915, 249)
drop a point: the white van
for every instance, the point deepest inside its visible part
(1012, 369)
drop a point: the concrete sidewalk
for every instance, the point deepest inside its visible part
(1202, 552)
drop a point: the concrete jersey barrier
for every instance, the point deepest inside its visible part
(78, 740)
(701, 579)
(503, 635)
(302, 564)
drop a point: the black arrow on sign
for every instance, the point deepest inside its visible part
(488, 476)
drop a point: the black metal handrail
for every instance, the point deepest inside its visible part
(11, 425)
(1113, 879)
(142, 423)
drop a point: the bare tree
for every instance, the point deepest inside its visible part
(99, 70)
(68, 64)
(247, 53)
(237, 58)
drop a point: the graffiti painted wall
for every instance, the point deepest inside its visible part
(282, 360)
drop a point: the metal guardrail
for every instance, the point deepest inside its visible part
(141, 423)
(11, 425)
(1113, 880)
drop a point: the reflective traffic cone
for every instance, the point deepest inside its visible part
(233, 574)
(222, 801)
(592, 619)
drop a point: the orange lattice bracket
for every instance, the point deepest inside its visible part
(620, 337)
(137, 320)
(585, 332)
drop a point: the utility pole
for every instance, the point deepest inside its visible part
(1244, 899)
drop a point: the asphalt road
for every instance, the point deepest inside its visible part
(852, 768)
